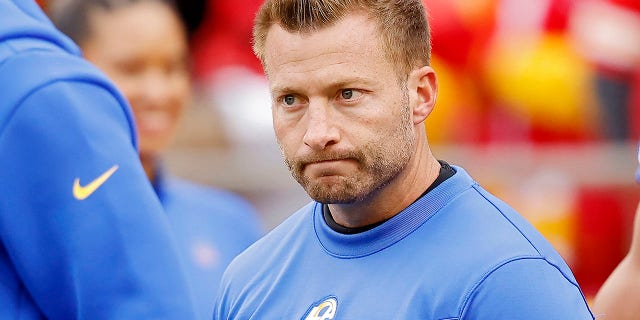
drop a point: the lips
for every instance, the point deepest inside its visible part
(327, 167)
(154, 122)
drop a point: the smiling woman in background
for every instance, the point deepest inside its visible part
(142, 46)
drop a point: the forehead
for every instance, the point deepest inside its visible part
(134, 27)
(351, 46)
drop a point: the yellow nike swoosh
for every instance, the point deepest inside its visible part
(82, 192)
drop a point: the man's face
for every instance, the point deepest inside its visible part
(340, 114)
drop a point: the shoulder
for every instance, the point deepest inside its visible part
(526, 288)
(509, 221)
(502, 253)
(39, 68)
(489, 217)
(31, 47)
(60, 85)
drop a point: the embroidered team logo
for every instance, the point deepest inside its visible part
(324, 309)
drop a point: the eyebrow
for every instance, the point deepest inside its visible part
(281, 90)
(348, 82)
(344, 83)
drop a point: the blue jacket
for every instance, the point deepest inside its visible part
(83, 235)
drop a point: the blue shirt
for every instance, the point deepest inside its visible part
(211, 227)
(83, 236)
(456, 253)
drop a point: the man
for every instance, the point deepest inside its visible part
(83, 235)
(619, 296)
(393, 233)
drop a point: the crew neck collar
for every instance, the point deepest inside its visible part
(394, 229)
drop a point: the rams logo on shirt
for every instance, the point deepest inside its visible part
(324, 309)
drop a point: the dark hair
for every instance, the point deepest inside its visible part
(72, 16)
(402, 25)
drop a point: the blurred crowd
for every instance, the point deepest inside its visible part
(538, 71)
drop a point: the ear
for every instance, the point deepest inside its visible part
(423, 86)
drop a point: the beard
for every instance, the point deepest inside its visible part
(379, 162)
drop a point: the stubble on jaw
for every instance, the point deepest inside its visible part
(379, 163)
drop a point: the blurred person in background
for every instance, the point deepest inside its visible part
(142, 46)
(83, 236)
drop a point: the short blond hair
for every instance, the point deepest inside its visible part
(402, 24)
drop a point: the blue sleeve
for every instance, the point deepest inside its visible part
(527, 289)
(101, 249)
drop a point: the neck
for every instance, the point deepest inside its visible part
(148, 163)
(385, 203)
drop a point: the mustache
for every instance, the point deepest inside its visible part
(302, 161)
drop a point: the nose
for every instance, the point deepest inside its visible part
(322, 131)
(156, 88)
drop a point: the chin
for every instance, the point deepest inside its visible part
(151, 148)
(332, 194)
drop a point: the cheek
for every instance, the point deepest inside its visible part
(129, 86)
(289, 135)
(283, 134)
(282, 126)
(182, 99)
(182, 88)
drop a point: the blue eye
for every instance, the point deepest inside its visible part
(289, 100)
(347, 94)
